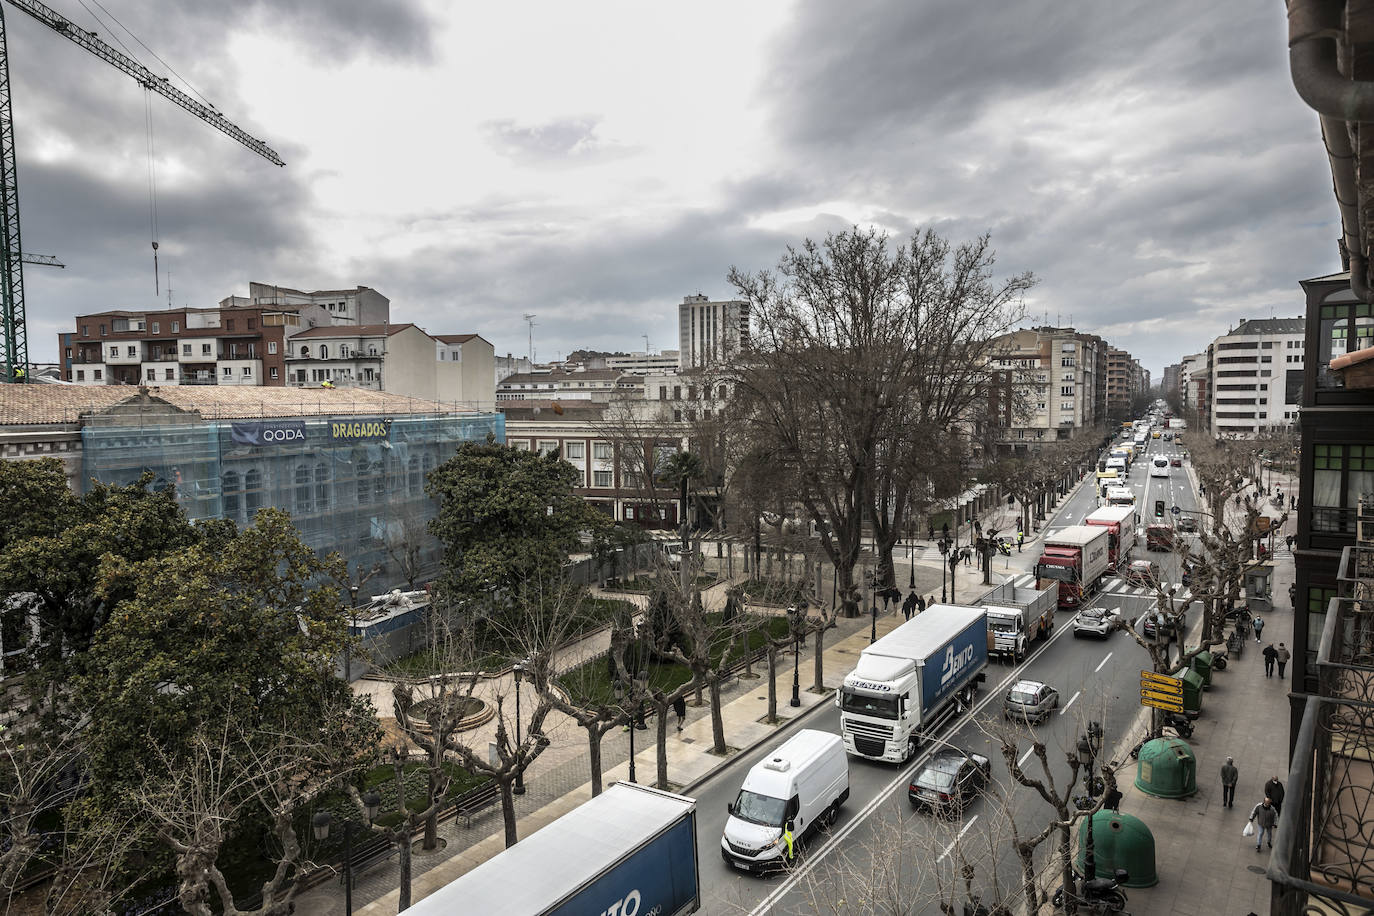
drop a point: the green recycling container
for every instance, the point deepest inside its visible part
(1167, 768)
(1202, 664)
(1119, 841)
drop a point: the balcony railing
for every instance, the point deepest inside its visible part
(1323, 856)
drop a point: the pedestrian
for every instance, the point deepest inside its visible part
(1283, 655)
(1112, 800)
(931, 528)
(1264, 817)
(1274, 790)
(909, 605)
(966, 555)
(922, 603)
(977, 527)
(1258, 624)
(1229, 776)
(1020, 539)
(1270, 655)
(1288, 539)
(680, 707)
(1293, 595)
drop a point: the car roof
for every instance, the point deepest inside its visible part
(1027, 684)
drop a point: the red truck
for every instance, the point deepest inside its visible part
(1120, 522)
(1076, 558)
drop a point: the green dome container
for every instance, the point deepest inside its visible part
(1167, 768)
(1119, 841)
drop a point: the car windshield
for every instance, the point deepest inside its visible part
(933, 778)
(1003, 626)
(1018, 694)
(759, 809)
(866, 704)
(1058, 573)
(1094, 613)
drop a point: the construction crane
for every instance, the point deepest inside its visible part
(46, 260)
(14, 344)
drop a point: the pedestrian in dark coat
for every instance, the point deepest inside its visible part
(1265, 817)
(1274, 789)
(909, 605)
(680, 708)
(1229, 776)
(1112, 800)
(1270, 656)
(922, 603)
(1283, 655)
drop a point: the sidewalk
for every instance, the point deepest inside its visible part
(559, 780)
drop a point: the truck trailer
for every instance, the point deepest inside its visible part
(1018, 617)
(1121, 523)
(1075, 558)
(630, 850)
(910, 682)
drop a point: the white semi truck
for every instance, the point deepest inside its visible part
(914, 679)
(1018, 617)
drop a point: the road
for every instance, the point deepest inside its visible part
(880, 847)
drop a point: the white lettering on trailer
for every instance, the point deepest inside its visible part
(955, 663)
(622, 907)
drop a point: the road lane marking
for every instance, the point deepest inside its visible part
(1070, 703)
(1103, 662)
(956, 840)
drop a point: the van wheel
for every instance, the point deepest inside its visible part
(831, 815)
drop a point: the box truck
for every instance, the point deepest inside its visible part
(799, 787)
(629, 850)
(914, 679)
(1018, 617)
(1075, 558)
(1121, 523)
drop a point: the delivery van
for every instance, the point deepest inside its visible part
(799, 788)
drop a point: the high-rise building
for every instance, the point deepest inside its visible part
(1256, 376)
(710, 332)
(1054, 385)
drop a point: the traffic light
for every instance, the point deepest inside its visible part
(1159, 508)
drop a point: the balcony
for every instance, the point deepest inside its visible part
(1323, 859)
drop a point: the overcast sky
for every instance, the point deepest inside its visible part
(593, 162)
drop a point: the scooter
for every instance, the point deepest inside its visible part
(1100, 895)
(1180, 723)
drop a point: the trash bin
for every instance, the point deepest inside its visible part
(1166, 768)
(1202, 666)
(1119, 841)
(1192, 692)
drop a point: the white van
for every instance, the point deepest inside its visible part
(801, 784)
(1120, 496)
(1159, 467)
(1118, 463)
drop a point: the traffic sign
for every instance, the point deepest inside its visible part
(1160, 695)
(1161, 704)
(1175, 510)
(1151, 680)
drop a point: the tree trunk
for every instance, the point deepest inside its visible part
(717, 720)
(594, 756)
(819, 686)
(884, 542)
(403, 855)
(507, 811)
(772, 683)
(661, 737)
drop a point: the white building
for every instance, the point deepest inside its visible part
(1256, 376)
(709, 332)
(560, 385)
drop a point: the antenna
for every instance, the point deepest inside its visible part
(646, 343)
(529, 319)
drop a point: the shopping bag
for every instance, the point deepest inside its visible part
(1249, 829)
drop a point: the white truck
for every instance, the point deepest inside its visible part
(1018, 617)
(1121, 523)
(913, 680)
(1176, 423)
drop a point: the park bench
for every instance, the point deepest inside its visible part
(473, 802)
(368, 854)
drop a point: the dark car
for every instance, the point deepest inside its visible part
(949, 780)
(1143, 572)
(1187, 523)
(1176, 462)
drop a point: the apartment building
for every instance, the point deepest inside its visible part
(710, 332)
(360, 305)
(1126, 381)
(1192, 385)
(1053, 384)
(397, 358)
(1255, 376)
(564, 385)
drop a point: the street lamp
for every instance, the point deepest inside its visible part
(372, 803)
(796, 673)
(1085, 757)
(944, 551)
(519, 788)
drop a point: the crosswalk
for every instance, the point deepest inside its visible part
(1114, 585)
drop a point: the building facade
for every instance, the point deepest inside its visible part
(563, 385)
(710, 332)
(1256, 376)
(1051, 386)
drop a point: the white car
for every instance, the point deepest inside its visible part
(1095, 621)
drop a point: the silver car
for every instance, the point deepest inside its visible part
(1030, 701)
(1095, 621)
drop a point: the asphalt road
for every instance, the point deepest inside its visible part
(880, 847)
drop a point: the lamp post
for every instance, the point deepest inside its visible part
(1085, 757)
(320, 822)
(519, 788)
(630, 722)
(873, 607)
(796, 675)
(944, 551)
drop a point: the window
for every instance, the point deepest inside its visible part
(1066, 391)
(103, 332)
(231, 492)
(81, 375)
(97, 375)
(677, 392)
(1067, 362)
(322, 487)
(379, 471)
(272, 373)
(574, 450)
(601, 451)
(157, 327)
(176, 326)
(361, 489)
(415, 480)
(205, 349)
(247, 372)
(324, 352)
(185, 349)
(252, 491)
(114, 352)
(168, 375)
(601, 479)
(69, 353)
(85, 330)
(272, 347)
(252, 323)
(1340, 474)
(663, 392)
(229, 324)
(132, 352)
(547, 446)
(227, 371)
(305, 351)
(152, 375)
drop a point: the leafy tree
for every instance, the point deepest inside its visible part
(508, 518)
(214, 689)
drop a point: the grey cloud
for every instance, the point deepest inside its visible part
(562, 140)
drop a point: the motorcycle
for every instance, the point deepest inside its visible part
(1179, 723)
(1100, 895)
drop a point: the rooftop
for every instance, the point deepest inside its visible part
(38, 405)
(355, 330)
(1258, 326)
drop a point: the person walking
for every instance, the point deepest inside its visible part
(909, 605)
(1293, 595)
(1020, 539)
(680, 707)
(1264, 817)
(1282, 655)
(922, 603)
(1258, 624)
(1270, 656)
(1229, 777)
(1273, 789)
